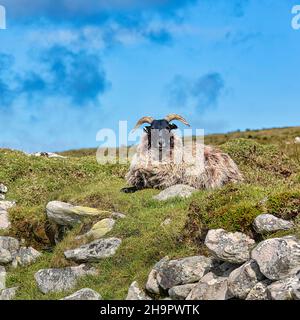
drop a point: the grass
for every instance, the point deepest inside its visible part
(272, 184)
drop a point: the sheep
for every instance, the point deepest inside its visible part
(155, 164)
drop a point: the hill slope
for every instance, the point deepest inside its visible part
(272, 184)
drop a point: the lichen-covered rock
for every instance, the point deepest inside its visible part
(65, 214)
(284, 289)
(210, 287)
(181, 292)
(265, 223)
(5, 256)
(233, 247)
(100, 229)
(135, 293)
(243, 279)
(259, 291)
(10, 244)
(183, 271)
(57, 280)
(152, 283)
(84, 294)
(4, 218)
(3, 188)
(94, 251)
(8, 294)
(26, 256)
(278, 258)
(178, 190)
(2, 278)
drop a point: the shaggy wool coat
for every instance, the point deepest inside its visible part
(193, 164)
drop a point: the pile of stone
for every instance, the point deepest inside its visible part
(65, 215)
(238, 268)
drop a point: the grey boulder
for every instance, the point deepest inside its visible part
(135, 293)
(57, 280)
(210, 287)
(285, 289)
(243, 279)
(178, 190)
(233, 247)
(94, 251)
(265, 223)
(8, 294)
(278, 258)
(65, 214)
(84, 294)
(152, 283)
(181, 292)
(26, 256)
(4, 218)
(259, 291)
(3, 188)
(10, 244)
(183, 271)
(5, 256)
(2, 278)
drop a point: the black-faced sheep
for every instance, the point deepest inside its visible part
(162, 160)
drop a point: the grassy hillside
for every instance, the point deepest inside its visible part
(272, 184)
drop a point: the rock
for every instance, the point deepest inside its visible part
(152, 284)
(94, 251)
(284, 289)
(10, 244)
(181, 292)
(57, 280)
(2, 278)
(8, 294)
(135, 293)
(178, 190)
(297, 140)
(100, 229)
(233, 247)
(243, 279)
(259, 291)
(166, 222)
(183, 271)
(117, 215)
(65, 214)
(4, 218)
(278, 258)
(47, 155)
(5, 256)
(3, 188)
(2, 196)
(26, 256)
(84, 294)
(210, 287)
(265, 223)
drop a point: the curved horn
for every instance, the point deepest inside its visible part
(175, 116)
(142, 121)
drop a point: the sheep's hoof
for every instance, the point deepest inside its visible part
(129, 190)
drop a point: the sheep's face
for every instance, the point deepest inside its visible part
(160, 136)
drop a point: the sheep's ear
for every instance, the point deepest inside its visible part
(173, 126)
(146, 129)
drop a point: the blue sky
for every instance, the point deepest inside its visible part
(70, 68)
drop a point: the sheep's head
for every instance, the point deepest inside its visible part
(159, 132)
